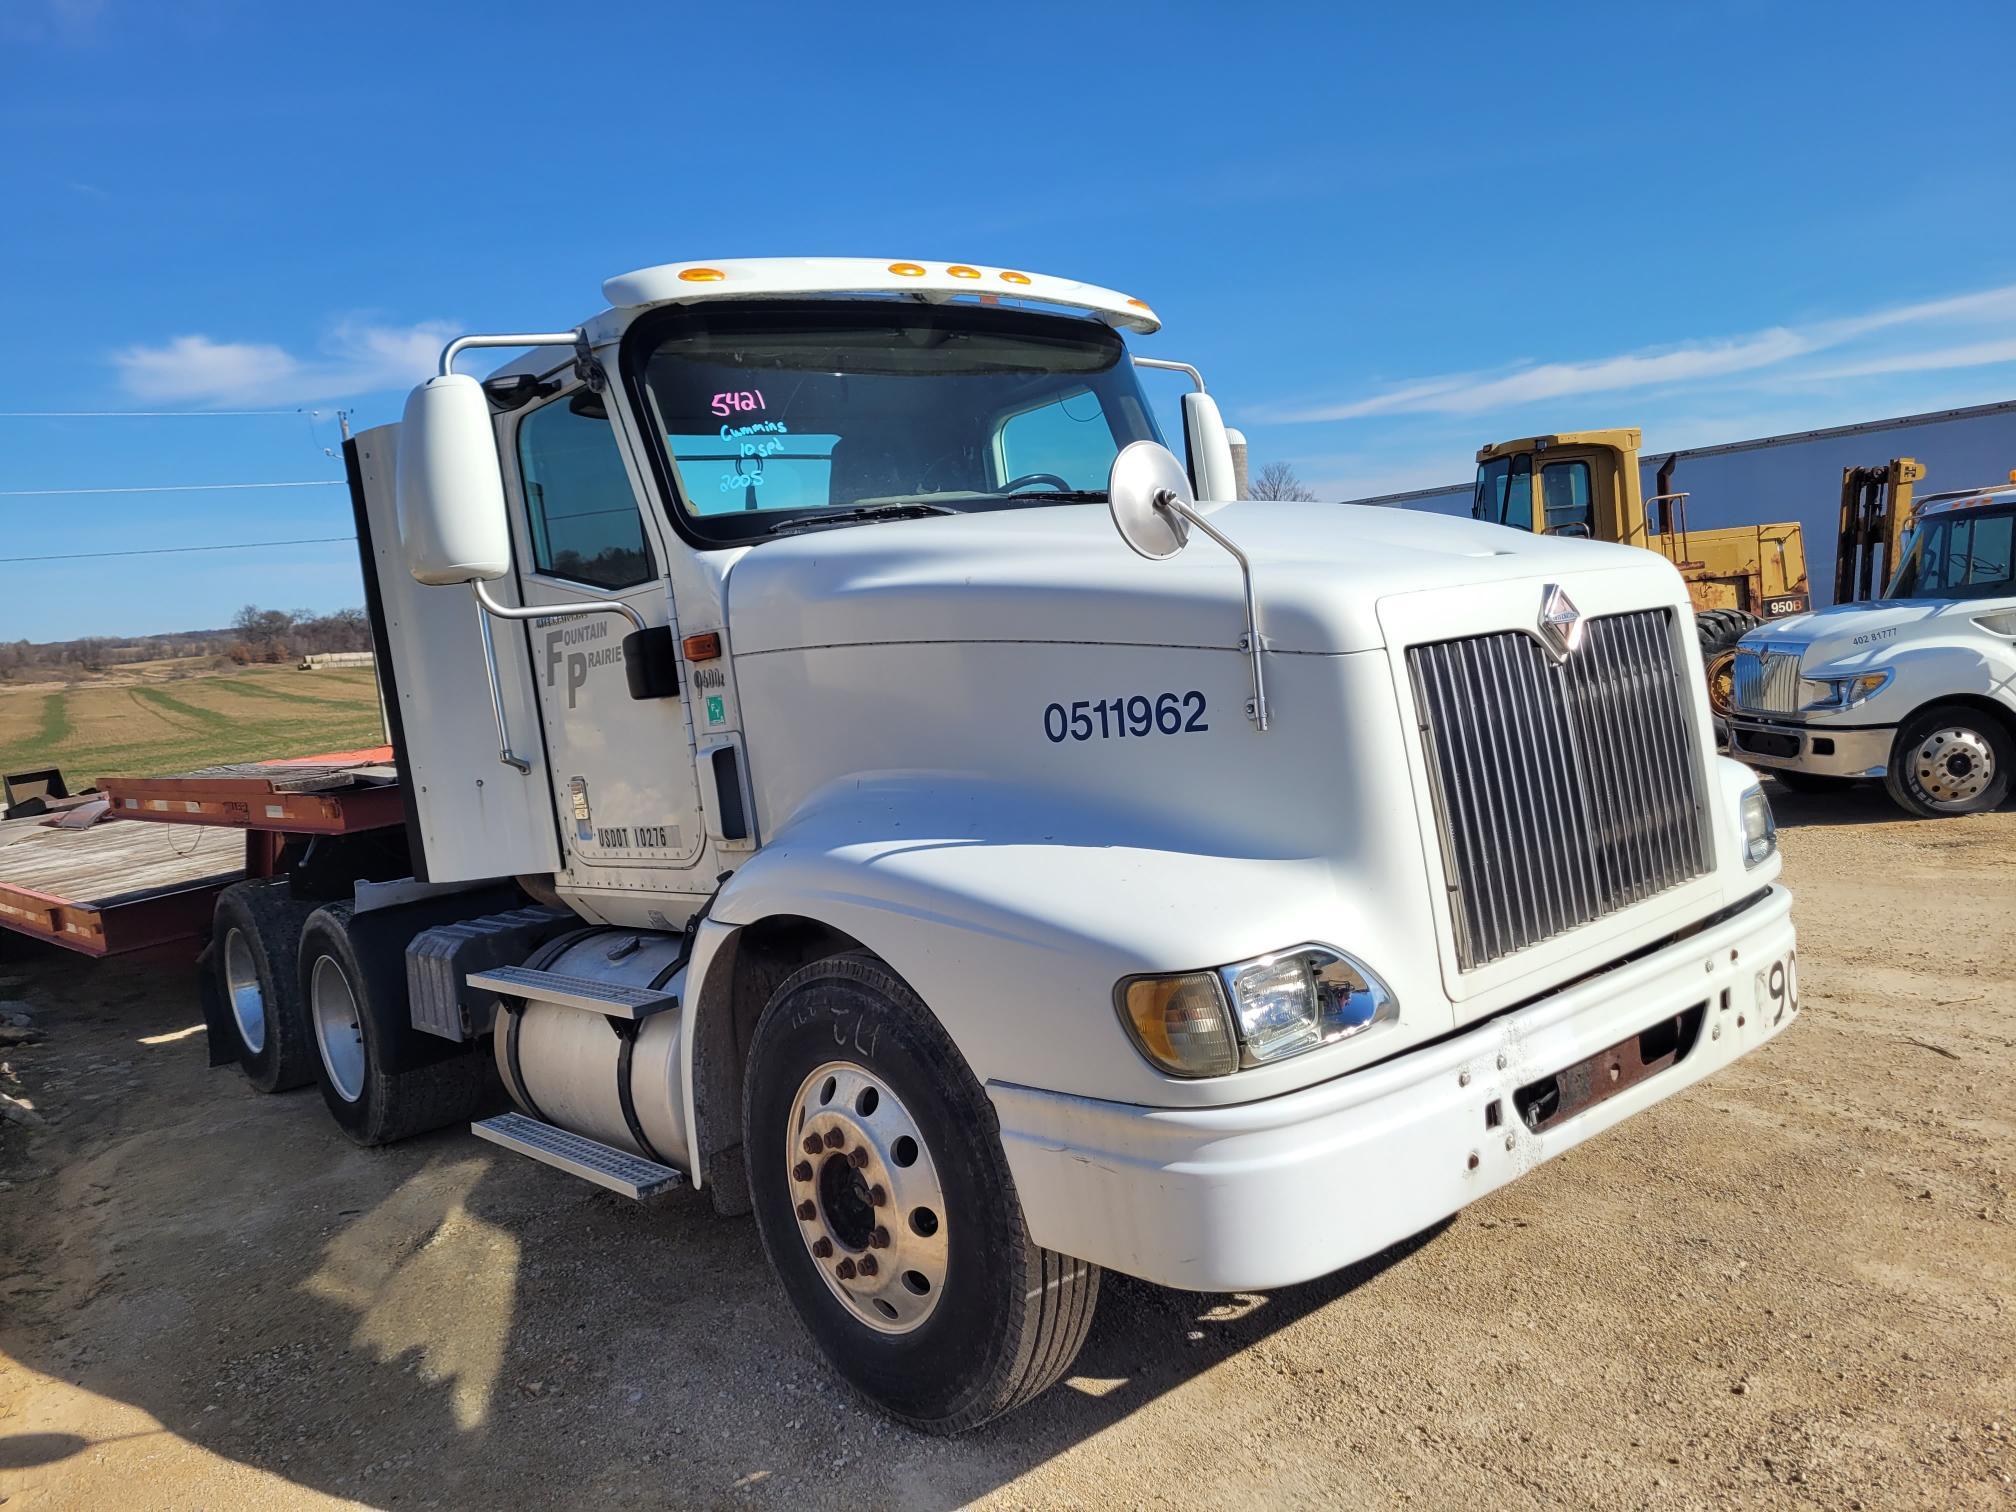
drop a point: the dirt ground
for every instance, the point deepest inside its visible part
(1789, 1286)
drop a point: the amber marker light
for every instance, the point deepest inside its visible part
(702, 647)
(701, 275)
(1015, 278)
(906, 270)
(960, 270)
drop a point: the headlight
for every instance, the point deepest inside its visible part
(1841, 692)
(1760, 830)
(1253, 1012)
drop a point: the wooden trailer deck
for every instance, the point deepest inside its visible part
(114, 887)
(118, 886)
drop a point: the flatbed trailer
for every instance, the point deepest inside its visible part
(115, 887)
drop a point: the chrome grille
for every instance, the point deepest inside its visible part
(1564, 791)
(1767, 682)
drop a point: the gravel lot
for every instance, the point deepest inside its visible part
(1789, 1286)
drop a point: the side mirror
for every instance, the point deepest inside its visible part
(1154, 511)
(452, 520)
(1143, 476)
(1210, 448)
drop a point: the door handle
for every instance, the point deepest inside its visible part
(486, 607)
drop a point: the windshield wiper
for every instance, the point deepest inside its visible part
(1059, 496)
(912, 511)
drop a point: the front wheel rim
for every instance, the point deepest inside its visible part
(339, 1029)
(241, 985)
(1953, 765)
(866, 1196)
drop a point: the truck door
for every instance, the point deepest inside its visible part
(623, 775)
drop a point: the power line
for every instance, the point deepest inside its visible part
(43, 493)
(78, 556)
(143, 414)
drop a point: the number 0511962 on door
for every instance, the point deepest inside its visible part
(1118, 718)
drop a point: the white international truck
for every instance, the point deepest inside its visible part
(1917, 688)
(850, 774)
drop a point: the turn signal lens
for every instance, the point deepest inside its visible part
(907, 270)
(960, 270)
(706, 647)
(701, 275)
(1179, 1023)
(1139, 305)
(1015, 278)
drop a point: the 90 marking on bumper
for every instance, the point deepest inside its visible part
(1117, 718)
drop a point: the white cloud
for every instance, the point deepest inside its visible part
(354, 359)
(1870, 345)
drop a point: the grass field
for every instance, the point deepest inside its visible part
(173, 726)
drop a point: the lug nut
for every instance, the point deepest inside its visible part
(807, 1211)
(835, 1139)
(859, 1155)
(822, 1247)
(802, 1171)
(868, 1267)
(876, 1196)
(813, 1145)
(879, 1239)
(844, 1270)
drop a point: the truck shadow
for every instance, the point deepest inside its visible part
(1853, 803)
(441, 1322)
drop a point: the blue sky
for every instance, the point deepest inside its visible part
(1387, 233)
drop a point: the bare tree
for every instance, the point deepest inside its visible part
(1277, 480)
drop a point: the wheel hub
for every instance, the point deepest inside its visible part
(866, 1193)
(241, 985)
(338, 1033)
(1953, 765)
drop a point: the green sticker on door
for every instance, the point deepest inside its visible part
(717, 709)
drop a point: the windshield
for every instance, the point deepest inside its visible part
(779, 413)
(1965, 554)
(1505, 492)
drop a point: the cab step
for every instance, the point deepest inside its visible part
(621, 1172)
(611, 999)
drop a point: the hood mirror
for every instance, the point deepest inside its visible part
(1143, 475)
(1153, 510)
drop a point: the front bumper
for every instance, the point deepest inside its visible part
(1823, 750)
(1259, 1195)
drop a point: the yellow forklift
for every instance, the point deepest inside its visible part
(1585, 483)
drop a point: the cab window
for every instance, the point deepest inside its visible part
(1068, 438)
(1963, 554)
(1564, 494)
(1505, 492)
(578, 502)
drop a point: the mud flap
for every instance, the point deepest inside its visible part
(221, 1032)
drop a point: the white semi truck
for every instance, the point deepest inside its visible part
(849, 773)
(1916, 689)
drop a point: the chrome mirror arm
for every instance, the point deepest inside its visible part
(1256, 706)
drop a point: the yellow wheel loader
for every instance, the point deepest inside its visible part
(1585, 483)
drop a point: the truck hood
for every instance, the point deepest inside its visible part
(1061, 574)
(1848, 633)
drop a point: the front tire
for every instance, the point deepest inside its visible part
(1950, 760)
(899, 1239)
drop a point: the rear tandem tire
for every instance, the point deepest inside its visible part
(381, 1078)
(955, 1314)
(257, 937)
